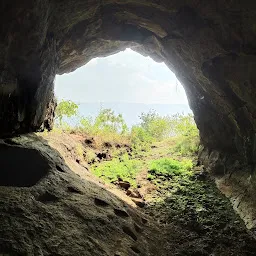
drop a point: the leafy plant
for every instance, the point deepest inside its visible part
(183, 125)
(65, 108)
(186, 133)
(107, 124)
(86, 124)
(169, 167)
(124, 168)
(108, 121)
(141, 140)
(156, 126)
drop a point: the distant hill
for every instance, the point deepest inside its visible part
(132, 111)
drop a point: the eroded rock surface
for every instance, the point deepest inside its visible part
(59, 213)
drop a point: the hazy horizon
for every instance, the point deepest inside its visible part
(129, 111)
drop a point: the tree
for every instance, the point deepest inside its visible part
(65, 108)
(107, 120)
(184, 125)
(156, 126)
(141, 140)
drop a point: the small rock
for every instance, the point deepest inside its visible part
(124, 184)
(133, 193)
(139, 202)
(128, 192)
(103, 155)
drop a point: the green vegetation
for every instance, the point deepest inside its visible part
(123, 167)
(65, 108)
(153, 128)
(169, 167)
(157, 127)
(178, 133)
(187, 135)
(107, 124)
(140, 140)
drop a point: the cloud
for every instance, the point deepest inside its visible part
(124, 77)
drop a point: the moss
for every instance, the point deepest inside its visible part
(192, 201)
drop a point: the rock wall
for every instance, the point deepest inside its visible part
(210, 45)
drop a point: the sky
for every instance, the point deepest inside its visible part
(126, 77)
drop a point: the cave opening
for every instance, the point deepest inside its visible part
(139, 111)
(127, 82)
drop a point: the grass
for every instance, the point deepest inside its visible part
(79, 150)
(186, 145)
(169, 167)
(90, 155)
(124, 168)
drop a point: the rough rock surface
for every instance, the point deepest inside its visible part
(47, 209)
(236, 181)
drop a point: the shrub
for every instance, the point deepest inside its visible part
(107, 125)
(108, 121)
(86, 124)
(156, 126)
(187, 145)
(141, 140)
(65, 108)
(187, 134)
(184, 125)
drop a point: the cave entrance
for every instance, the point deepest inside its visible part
(127, 82)
(139, 112)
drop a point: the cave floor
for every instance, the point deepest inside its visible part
(75, 213)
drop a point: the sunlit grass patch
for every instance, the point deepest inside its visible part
(124, 168)
(169, 167)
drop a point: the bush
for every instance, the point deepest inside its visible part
(107, 125)
(168, 167)
(156, 126)
(86, 124)
(65, 108)
(108, 121)
(141, 140)
(187, 134)
(187, 145)
(183, 125)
